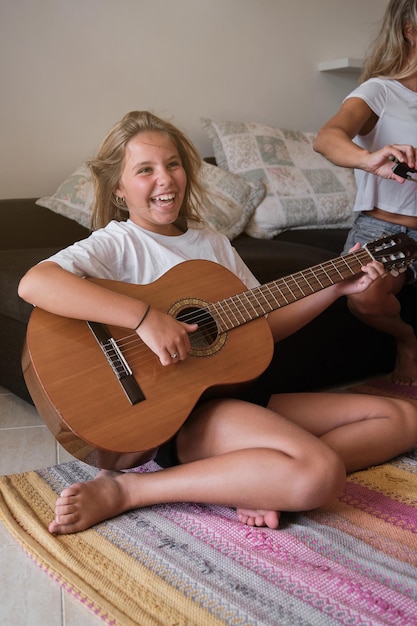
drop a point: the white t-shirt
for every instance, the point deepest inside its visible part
(396, 108)
(126, 252)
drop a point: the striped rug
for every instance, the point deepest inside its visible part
(353, 562)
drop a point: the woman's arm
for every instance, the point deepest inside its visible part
(335, 142)
(58, 291)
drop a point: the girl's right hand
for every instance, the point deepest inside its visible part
(166, 337)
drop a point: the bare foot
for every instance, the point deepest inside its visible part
(405, 372)
(84, 504)
(254, 517)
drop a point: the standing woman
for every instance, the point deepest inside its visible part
(376, 124)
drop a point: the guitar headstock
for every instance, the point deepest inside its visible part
(393, 251)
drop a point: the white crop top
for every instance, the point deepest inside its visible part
(396, 108)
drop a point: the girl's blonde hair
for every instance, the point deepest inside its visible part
(108, 165)
(389, 53)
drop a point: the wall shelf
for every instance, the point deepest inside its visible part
(346, 65)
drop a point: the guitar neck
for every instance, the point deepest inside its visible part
(254, 303)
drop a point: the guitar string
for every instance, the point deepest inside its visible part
(336, 272)
(128, 343)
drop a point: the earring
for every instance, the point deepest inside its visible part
(120, 202)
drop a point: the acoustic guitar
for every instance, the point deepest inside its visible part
(104, 394)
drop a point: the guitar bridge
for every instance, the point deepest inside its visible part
(117, 362)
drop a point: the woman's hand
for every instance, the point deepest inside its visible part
(166, 337)
(381, 164)
(336, 142)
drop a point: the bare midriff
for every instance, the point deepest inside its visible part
(409, 221)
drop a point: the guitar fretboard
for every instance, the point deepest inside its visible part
(249, 305)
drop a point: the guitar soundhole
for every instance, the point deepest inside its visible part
(206, 340)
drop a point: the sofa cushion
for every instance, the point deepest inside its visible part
(274, 259)
(303, 188)
(25, 225)
(331, 239)
(232, 199)
(13, 265)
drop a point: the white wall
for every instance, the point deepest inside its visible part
(70, 68)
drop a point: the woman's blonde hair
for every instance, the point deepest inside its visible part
(389, 53)
(108, 165)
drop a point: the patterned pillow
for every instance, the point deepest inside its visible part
(303, 188)
(232, 199)
(74, 197)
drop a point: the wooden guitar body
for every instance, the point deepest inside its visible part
(104, 394)
(80, 399)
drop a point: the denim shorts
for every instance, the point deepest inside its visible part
(367, 228)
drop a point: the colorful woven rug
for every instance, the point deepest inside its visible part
(353, 562)
(382, 386)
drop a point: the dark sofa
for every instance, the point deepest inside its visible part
(332, 349)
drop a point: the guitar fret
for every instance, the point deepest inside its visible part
(239, 314)
(330, 282)
(246, 306)
(241, 308)
(288, 293)
(224, 316)
(270, 308)
(254, 303)
(246, 296)
(359, 264)
(314, 280)
(226, 322)
(318, 281)
(295, 290)
(293, 296)
(274, 298)
(306, 284)
(338, 272)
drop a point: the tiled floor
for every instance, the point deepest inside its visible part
(28, 596)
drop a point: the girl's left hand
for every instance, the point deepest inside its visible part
(371, 272)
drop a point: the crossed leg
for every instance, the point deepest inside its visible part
(237, 454)
(232, 453)
(363, 430)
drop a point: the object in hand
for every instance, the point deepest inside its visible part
(402, 169)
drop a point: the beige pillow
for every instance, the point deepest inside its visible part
(232, 199)
(74, 197)
(303, 188)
